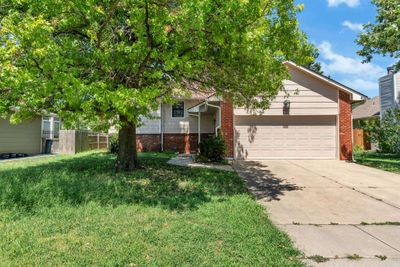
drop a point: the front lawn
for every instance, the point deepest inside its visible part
(387, 162)
(76, 211)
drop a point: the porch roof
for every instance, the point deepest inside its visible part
(202, 107)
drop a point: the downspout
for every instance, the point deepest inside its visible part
(162, 127)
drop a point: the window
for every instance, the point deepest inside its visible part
(56, 128)
(51, 127)
(178, 110)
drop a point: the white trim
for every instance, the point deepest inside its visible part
(51, 131)
(219, 117)
(184, 111)
(354, 94)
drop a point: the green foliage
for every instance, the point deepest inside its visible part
(315, 66)
(212, 149)
(113, 144)
(383, 36)
(386, 133)
(103, 60)
(358, 149)
(318, 258)
(75, 211)
(387, 162)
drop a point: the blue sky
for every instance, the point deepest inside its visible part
(333, 26)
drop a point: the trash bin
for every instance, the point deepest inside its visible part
(48, 146)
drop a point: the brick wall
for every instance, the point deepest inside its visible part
(345, 127)
(148, 142)
(182, 143)
(227, 126)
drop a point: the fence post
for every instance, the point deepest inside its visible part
(98, 141)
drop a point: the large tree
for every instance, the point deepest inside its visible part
(383, 36)
(114, 61)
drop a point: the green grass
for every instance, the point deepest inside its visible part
(76, 211)
(387, 162)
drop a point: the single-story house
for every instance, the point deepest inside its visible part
(368, 111)
(315, 122)
(28, 137)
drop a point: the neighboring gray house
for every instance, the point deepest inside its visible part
(389, 90)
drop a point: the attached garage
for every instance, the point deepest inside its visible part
(281, 137)
(309, 119)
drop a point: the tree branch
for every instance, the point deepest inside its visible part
(100, 32)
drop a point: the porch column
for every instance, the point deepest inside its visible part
(199, 128)
(227, 126)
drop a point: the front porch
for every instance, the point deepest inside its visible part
(207, 112)
(202, 119)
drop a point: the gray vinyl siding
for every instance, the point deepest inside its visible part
(21, 138)
(151, 125)
(386, 92)
(186, 125)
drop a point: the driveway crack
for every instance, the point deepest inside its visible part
(378, 239)
(346, 186)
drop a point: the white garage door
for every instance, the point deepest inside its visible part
(285, 137)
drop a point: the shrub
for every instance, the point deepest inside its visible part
(358, 149)
(386, 134)
(113, 144)
(212, 149)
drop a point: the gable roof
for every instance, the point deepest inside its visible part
(356, 96)
(371, 108)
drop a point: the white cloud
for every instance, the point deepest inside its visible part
(357, 27)
(350, 3)
(348, 70)
(360, 84)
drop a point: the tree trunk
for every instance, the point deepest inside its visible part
(127, 154)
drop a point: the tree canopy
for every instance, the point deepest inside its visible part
(114, 61)
(383, 36)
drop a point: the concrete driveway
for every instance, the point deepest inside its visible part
(333, 209)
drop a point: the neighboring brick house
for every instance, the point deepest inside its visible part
(315, 122)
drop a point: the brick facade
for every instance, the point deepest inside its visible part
(182, 143)
(227, 126)
(148, 142)
(345, 127)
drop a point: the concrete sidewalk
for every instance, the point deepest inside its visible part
(340, 212)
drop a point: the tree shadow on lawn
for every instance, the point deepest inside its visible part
(91, 178)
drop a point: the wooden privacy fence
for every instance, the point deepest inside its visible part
(361, 139)
(74, 141)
